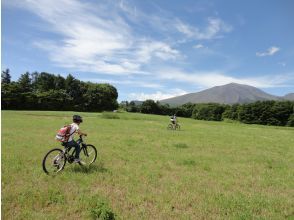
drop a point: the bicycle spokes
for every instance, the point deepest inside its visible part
(54, 161)
(88, 154)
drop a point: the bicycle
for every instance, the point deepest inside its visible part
(55, 160)
(174, 126)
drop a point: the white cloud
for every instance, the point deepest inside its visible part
(269, 52)
(164, 22)
(208, 79)
(100, 37)
(214, 28)
(158, 95)
(198, 46)
(132, 82)
(148, 49)
(95, 38)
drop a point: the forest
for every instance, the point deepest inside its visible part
(45, 91)
(279, 113)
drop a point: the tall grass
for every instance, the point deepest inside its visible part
(208, 170)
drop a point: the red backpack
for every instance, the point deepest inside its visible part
(63, 133)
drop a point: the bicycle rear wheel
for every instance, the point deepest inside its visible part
(88, 154)
(54, 161)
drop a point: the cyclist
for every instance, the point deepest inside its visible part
(173, 120)
(77, 120)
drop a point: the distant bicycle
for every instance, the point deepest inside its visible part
(174, 127)
(55, 160)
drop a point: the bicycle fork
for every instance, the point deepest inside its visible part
(85, 150)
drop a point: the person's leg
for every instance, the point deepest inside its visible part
(77, 148)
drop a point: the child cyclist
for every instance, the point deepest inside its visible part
(173, 120)
(77, 120)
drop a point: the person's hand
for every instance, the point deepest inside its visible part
(85, 135)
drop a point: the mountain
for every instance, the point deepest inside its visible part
(226, 94)
(289, 96)
(137, 102)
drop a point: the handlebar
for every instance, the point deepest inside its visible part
(81, 138)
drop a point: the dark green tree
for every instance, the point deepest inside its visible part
(24, 82)
(5, 76)
(149, 107)
(165, 109)
(281, 111)
(231, 112)
(101, 97)
(43, 81)
(59, 82)
(186, 110)
(290, 122)
(10, 96)
(209, 112)
(124, 105)
(132, 107)
(54, 100)
(45, 91)
(246, 114)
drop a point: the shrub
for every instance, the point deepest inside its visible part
(181, 145)
(110, 115)
(189, 162)
(101, 210)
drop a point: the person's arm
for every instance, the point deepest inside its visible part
(81, 133)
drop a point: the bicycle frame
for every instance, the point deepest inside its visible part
(67, 149)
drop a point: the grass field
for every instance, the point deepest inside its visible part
(208, 170)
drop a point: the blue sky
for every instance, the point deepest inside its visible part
(153, 49)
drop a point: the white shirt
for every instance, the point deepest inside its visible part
(174, 118)
(74, 128)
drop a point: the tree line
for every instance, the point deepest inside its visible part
(45, 91)
(280, 113)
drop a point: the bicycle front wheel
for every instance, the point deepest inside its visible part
(54, 161)
(170, 127)
(88, 154)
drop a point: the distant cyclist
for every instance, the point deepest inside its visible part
(173, 119)
(75, 129)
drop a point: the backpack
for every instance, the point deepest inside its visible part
(63, 133)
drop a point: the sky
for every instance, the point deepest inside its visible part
(153, 49)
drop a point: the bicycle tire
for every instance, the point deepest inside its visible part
(85, 153)
(170, 127)
(58, 167)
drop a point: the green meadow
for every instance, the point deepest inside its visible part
(207, 170)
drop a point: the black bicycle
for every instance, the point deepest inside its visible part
(55, 160)
(174, 126)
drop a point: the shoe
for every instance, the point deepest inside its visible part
(77, 160)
